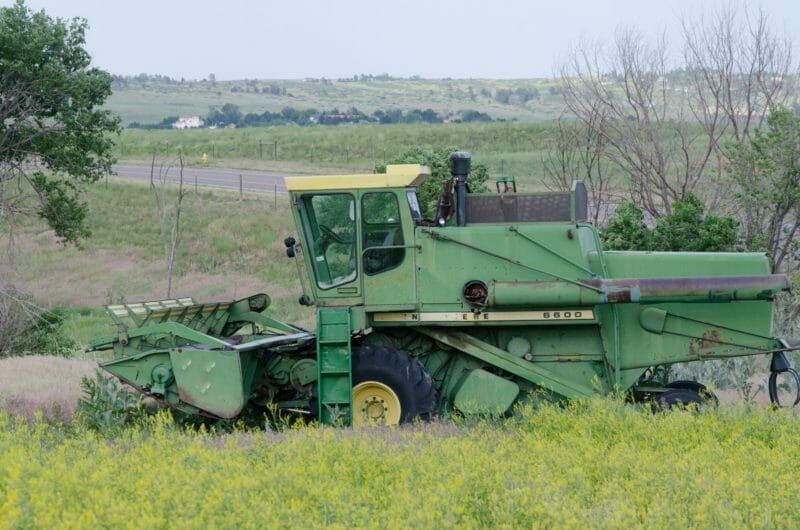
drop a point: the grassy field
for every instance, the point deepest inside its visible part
(42, 385)
(589, 465)
(151, 101)
(506, 148)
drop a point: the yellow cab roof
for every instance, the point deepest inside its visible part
(396, 176)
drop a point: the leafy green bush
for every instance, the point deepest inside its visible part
(686, 228)
(626, 229)
(689, 228)
(107, 405)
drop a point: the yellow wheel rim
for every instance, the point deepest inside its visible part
(375, 404)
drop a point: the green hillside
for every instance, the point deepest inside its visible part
(150, 99)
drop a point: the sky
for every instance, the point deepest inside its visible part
(295, 39)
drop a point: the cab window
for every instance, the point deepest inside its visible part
(383, 233)
(329, 223)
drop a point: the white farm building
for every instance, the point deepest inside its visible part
(188, 122)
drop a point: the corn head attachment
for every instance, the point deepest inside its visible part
(209, 359)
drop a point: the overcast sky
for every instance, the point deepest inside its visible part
(238, 39)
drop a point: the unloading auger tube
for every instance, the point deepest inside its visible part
(633, 290)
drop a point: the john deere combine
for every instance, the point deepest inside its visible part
(499, 298)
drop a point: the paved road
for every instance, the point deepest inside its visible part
(209, 176)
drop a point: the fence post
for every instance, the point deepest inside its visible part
(240, 186)
(275, 150)
(260, 150)
(195, 184)
(152, 166)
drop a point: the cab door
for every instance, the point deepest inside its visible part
(388, 255)
(329, 226)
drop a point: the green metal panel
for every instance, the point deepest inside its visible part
(633, 264)
(502, 359)
(452, 256)
(210, 380)
(484, 392)
(334, 366)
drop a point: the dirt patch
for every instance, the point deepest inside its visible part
(42, 383)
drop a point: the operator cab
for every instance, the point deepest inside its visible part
(357, 233)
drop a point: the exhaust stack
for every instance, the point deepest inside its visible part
(459, 168)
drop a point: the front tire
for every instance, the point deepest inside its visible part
(390, 387)
(680, 398)
(708, 396)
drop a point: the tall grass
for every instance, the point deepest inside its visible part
(40, 384)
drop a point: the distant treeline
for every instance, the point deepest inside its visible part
(229, 115)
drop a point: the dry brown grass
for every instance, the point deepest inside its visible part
(42, 383)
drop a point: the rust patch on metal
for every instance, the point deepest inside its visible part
(622, 296)
(710, 339)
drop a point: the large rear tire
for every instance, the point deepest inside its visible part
(390, 387)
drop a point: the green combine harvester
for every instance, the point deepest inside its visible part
(500, 298)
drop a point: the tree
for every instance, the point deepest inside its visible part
(735, 67)
(738, 69)
(438, 160)
(766, 169)
(576, 152)
(232, 114)
(622, 94)
(52, 134)
(169, 214)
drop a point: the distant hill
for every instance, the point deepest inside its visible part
(149, 99)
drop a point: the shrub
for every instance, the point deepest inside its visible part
(438, 160)
(27, 328)
(107, 405)
(686, 228)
